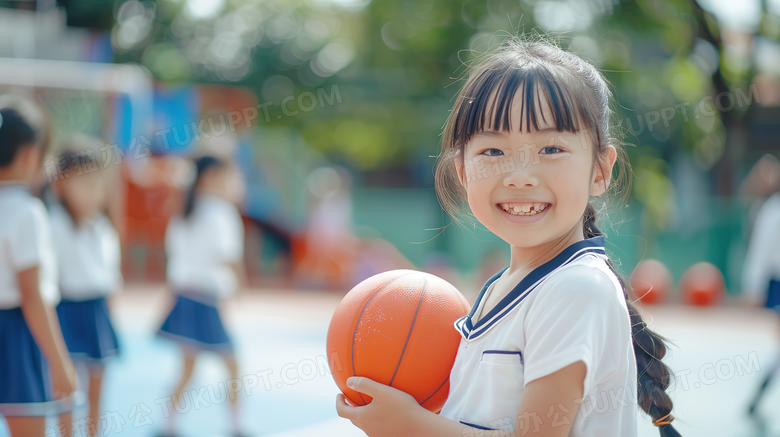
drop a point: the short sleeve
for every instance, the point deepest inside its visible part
(579, 318)
(26, 245)
(230, 241)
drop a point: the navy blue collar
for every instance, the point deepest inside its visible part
(470, 331)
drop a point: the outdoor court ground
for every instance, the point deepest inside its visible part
(720, 358)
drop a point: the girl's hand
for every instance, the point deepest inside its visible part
(390, 413)
(63, 379)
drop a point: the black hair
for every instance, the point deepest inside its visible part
(15, 133)
(653, 376)
(74, 164)
(202, 164)
(578, 98)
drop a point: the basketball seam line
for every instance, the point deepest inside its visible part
(411, 328)
(357, 323)
(437, 390)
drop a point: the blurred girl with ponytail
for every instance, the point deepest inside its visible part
(37, 378)
(204, 246)
(552, 346)
(87, 250)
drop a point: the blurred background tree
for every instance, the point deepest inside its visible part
(396, 62)
(683, 75)
(696, 85)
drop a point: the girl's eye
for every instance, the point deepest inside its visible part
(493, 152)
(549, 150)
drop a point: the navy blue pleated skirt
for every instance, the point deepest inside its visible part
(87, 330)
(24, 373)
(194, 322)
(773, 295)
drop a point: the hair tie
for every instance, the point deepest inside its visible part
(662, 420)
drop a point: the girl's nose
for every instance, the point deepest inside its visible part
(521, 177)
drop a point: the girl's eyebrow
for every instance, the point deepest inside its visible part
(546, 130)
(493, 133)
(489, 134)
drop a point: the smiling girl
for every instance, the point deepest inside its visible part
(551, 346)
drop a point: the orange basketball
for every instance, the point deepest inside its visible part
(651, 281)
(702, 284)
(397, 329)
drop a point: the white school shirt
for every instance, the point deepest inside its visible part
(88, 255)
(200, 247)
(762, 262)
(570, 309)
(25, 242)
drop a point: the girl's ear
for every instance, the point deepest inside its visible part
(604, 172)
(461, 171)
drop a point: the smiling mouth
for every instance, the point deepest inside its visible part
(523, 209)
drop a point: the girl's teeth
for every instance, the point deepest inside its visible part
(524, 209)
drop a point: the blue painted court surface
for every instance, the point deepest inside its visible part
(720, 358)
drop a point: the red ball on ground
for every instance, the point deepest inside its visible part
(397, 329)
(651, 281)
(702, 285)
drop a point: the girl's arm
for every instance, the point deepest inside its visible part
(45, 328)
(550, 403)
(393, 412)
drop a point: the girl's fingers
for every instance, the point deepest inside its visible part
(349, 402)
(364, 385)
(343, 409)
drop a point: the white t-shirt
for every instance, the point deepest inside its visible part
(762, 262)
(200, 247)
(25, 242)
(88, 255)
(570, 309)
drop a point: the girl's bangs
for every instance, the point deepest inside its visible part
(487, 104)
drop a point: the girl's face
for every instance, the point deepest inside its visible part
(84, 195)
(532, 188)
(224, 181)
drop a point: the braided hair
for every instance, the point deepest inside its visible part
(653, 376)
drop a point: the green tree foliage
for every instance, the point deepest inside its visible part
(397, 63)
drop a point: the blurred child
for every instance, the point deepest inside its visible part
(761, 274)
(36, 374)
(205, 251)
(88, 254)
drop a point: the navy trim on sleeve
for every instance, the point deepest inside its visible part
(497, 352)
(477, 426)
